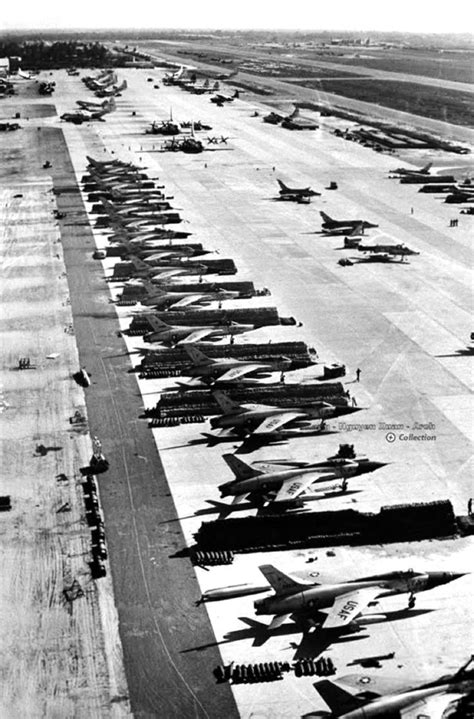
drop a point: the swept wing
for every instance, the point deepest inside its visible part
(348, 606)
(271, 424)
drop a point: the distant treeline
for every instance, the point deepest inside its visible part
(39, 55)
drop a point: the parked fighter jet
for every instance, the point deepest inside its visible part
(405, 171)
(341, 227)
(219, 99)
(177, 300)
(343, 602)
(393, 696)
(296, 191)
(261, 419)
(180, 334)
(401, 250)
(229, 369)
(283, 483)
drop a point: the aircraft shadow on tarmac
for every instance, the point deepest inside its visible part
(459, 353)
(219, 507)
(247, 446)
(312, 644)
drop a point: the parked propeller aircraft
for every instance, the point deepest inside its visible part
(92, 106)
(261, 419)
(174, 335)
(219, 99)
(80, 116)
(341, 227)
(393, 697)
(229, 369)
(295, 122)
(283, 483)
(296, 191)
(342, 603)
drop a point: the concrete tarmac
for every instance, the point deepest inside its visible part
(403, 325)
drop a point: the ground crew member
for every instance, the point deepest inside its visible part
(357, 375)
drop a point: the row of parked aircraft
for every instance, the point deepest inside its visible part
(136, 214)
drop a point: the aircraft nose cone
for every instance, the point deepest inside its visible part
(372, 466)
(437, 578)
(347, 410)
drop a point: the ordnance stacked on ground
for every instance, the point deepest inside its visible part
(399, 523)
(174, 404)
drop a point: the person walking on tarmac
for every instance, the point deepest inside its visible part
(357, 374)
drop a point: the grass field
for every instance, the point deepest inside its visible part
(458, 67)
(437, 103)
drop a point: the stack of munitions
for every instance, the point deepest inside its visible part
(400, 523)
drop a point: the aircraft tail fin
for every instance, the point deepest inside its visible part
(236, 94)
(424, 170)
(283, 187)
(338, 700)
(326, 217)
(240, 469)
(281, 582)
(157, 324)
(196, 356)
(226, 404)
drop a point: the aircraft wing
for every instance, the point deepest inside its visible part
(277, 621)
(185, 301)
(430, 708)
(238, 372)
(271, 424)
(348, 606)
(292, 488)
(197, 335)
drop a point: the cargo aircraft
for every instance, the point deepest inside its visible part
(219, 99)
(344, 602)
(394, 697)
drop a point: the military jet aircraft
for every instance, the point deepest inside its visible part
(296, 191)
(177, 300)
(228, 369)
(174, 335)
(343, 602)
(384, 697)
(341, 227)
(261, 419)
(284, 483)
(219, 99)
(406, 171)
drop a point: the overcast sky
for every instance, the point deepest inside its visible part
(405, 15)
